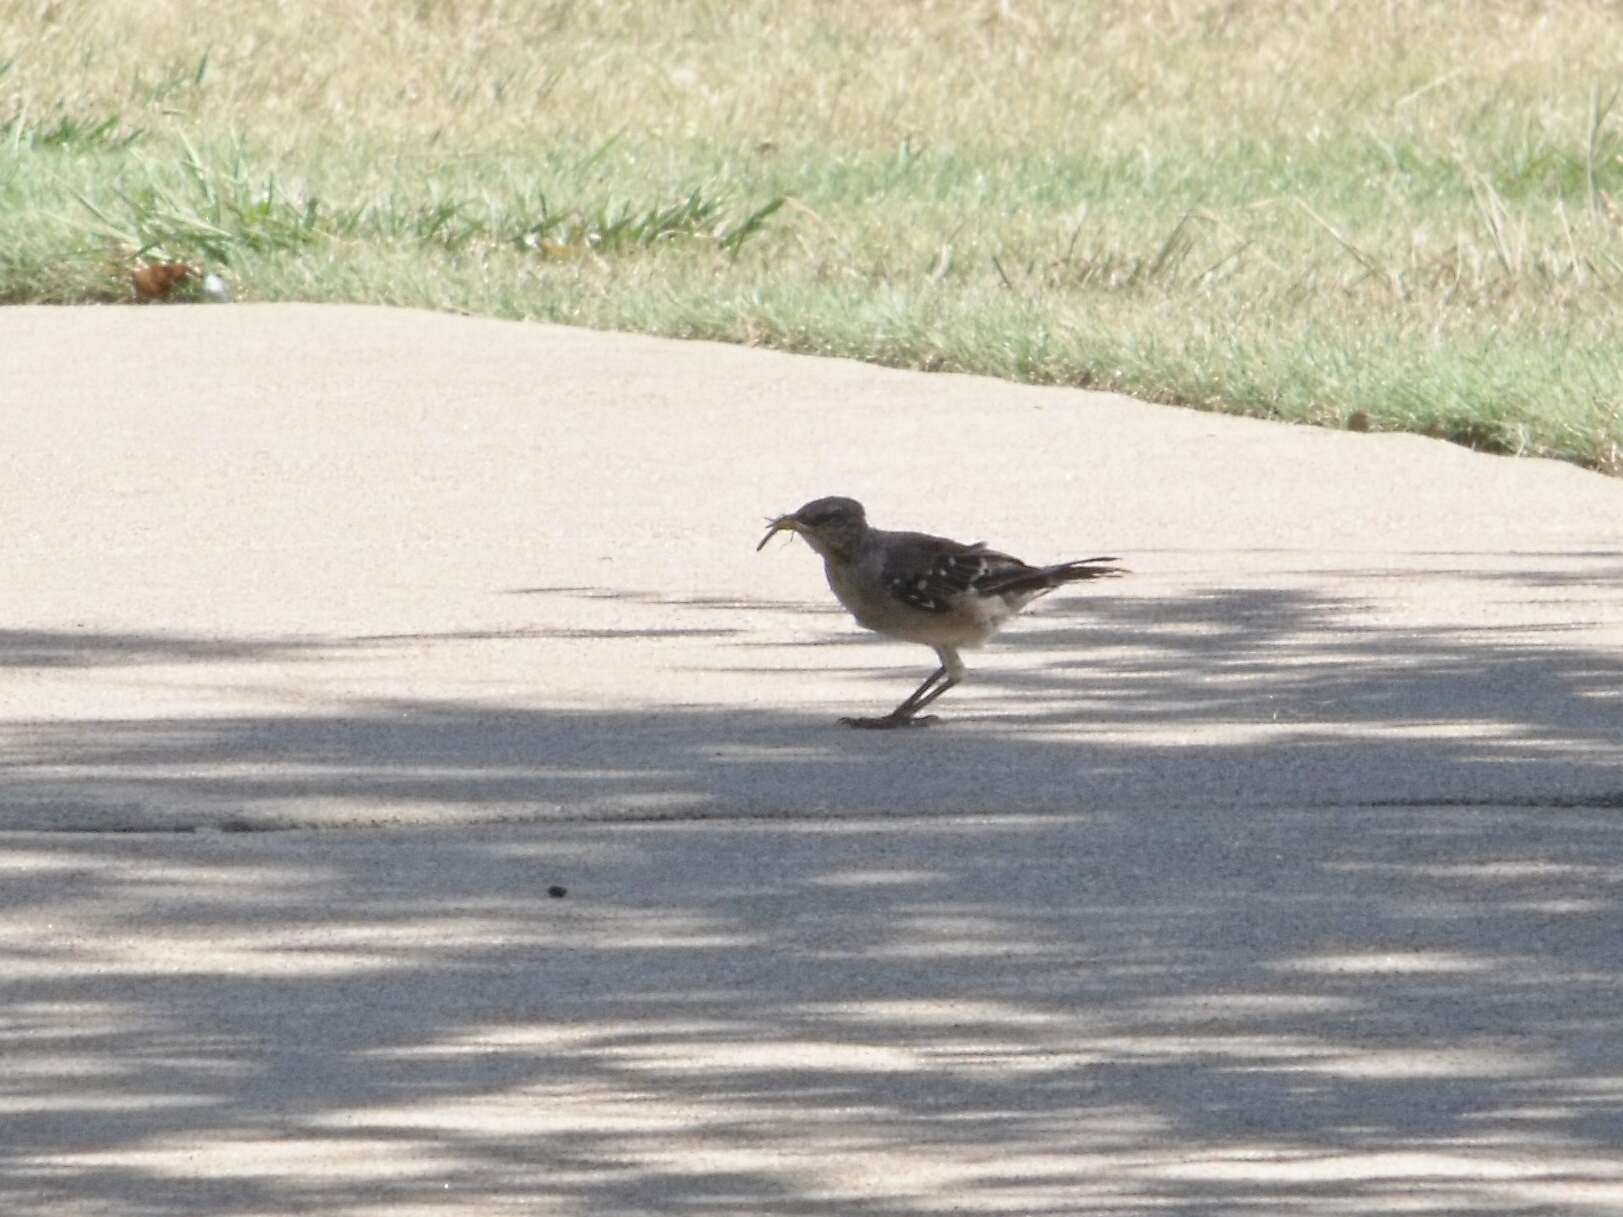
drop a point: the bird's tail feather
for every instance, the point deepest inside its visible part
(1083, 568)
(1044, 578)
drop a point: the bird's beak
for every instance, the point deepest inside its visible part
(781, 524)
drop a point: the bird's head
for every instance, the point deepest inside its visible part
(832, 526)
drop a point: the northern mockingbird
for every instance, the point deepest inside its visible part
(920, 588)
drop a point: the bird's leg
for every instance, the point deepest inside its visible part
(903, 715)
(935, 684)
(916, 703)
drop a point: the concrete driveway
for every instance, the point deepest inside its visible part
(1280, 877)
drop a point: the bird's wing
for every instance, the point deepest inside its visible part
(931, 573)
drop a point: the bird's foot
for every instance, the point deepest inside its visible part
(888, 721)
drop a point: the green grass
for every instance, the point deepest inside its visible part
(1404, 212)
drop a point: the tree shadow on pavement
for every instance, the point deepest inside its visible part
(1120, 1013)
(1239, 697)
(1150, 928)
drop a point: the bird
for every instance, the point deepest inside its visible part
(921, 588)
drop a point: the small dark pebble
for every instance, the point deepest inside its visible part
(557, 892)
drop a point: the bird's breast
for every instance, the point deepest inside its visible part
(849, 589)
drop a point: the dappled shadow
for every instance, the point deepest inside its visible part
(1291, 1012)
(89, 648)
(1235, 697)
(1138, 930)
(1301, 657)
(748, 604)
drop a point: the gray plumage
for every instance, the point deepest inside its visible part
(909, 585)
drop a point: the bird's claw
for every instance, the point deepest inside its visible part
(888, 721)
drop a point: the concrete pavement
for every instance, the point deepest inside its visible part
(1280, 876)
(1300, 1011)
(283, 564)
